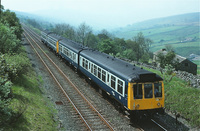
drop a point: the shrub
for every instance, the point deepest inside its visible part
(19, 62)
(5, 89)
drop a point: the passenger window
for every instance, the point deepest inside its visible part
(95, 70)
(103, 76)
(70, 55)
(92, 68)
(148, 92)
(67, 52)
(74, 56)
(158, 89)
(86, 64)
(120, 86)
(137, 91)
(83, 63)
(113, 80)
(64, 51)
(99, 73)
(60, 48)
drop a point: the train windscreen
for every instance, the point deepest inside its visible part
(148, 90)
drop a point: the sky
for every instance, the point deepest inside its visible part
(103, 13)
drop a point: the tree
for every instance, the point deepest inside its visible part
(106, 46)
(129, 54)
(167, 59)
(141, 45)
(1, 9)
(9, 18)
(34, 23)
(65, 30)
(83, 33)
(92, 41)
(104, 34)
(120, 45)
(8, 40)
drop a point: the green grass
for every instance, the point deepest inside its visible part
(183, 49)
(37, 111)
(181, 98)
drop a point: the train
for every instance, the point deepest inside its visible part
(133, 88)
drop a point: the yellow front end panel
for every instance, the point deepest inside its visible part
(144, 104)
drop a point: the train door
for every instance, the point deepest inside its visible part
(108, 79)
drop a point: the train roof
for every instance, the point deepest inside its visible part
(65, 42)
(46, 31)
(120, 68)
(55, 36)
(72, 45)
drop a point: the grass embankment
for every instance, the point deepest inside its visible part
(181, 98)
(35, 111)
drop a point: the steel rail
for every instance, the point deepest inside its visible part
(158, 125)
(103, 119)
(60, 86)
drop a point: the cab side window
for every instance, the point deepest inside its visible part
(158, 89)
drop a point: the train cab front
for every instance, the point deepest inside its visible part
(146, 97)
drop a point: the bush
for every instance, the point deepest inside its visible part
(8, 40)
(5, 90)
(19, 62)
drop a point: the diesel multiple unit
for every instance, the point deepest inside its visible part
(132, 87)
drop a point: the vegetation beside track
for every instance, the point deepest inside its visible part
(180, 98)
(31, 111)
(22, 106)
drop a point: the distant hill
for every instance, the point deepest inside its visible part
(180, 31)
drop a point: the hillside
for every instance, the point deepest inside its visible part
(180, 31)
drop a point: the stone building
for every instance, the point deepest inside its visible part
(183, 63)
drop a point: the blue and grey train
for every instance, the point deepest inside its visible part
(132, 87)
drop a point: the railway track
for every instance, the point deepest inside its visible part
(156, 123)
(89, 115)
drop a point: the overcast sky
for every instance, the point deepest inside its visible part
(104, 13)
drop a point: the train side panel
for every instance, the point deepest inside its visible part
(104, 80)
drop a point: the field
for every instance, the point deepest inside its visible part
(181, 32)
(170, 35)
